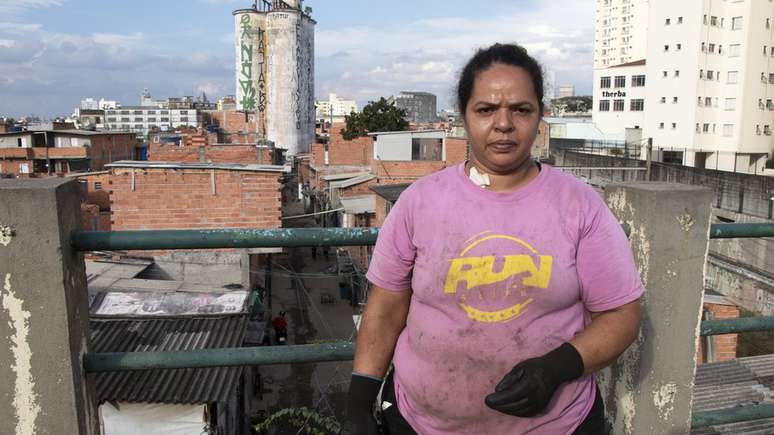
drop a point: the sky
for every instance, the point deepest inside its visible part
(53, 53)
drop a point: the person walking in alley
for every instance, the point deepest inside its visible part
(500, 285)
(280, 326)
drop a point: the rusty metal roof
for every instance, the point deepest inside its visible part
(179, 386)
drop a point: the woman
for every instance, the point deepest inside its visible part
(499, 285)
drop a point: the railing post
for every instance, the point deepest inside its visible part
(649, 389)
(44, 318)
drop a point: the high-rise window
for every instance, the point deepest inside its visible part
(734, 50)
(638, 81)
(733, 77)
(710, 75)
(604, 82)
(736, 23)
(728, 130)
(618, 105)
(637, 105)
(604, 105)
(620, 81)
(674, 100)
(730, 104)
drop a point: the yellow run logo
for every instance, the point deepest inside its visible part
(469, 272)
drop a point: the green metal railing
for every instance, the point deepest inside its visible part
(339, 351)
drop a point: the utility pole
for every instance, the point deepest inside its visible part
(648, 158)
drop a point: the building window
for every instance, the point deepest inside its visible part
(698, 128)
(666, 22)
(679, 20)
(111, 120)
(730, 104)
(733, 77)
(620, 81)
(660, 125)
(699, 102)
(760, 104)
(137, 119)
(711, 48)
(674, 100)
(710, 75)
(771, 77)
(703, 47)
(758, 129)
(673, 157)
(701, 73)
(768, 23)
(604, 105)
(767, 130)
(769, 104)
(666, 47)
(665, 73)
(138, 126)
(736, 23)
(677, 73)
(138, 112)
(679, 46)
(637, 105)
(151, 119)
(638, 81)
(125, 119)
(720, 49)
(97, 185)
(728, 130)
(713, 21)
(705, 19)
(734, 50)
(426, 149)
(618, 105)
(604, 82)
(705, 128)
(674, 125)
(771, 52)
(708, 101)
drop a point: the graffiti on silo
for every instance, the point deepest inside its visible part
(262, 70)
(247, 97)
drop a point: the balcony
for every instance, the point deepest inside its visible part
(44, 282)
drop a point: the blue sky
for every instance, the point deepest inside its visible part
(53, 53)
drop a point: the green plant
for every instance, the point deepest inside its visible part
(376, 116)
(302, 418)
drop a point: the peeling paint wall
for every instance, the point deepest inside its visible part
(649, 388)
(25, 399)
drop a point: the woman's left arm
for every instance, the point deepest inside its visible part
(607, 336)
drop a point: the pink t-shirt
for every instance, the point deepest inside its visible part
(497, 277)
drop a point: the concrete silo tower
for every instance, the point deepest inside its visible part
(275, 71)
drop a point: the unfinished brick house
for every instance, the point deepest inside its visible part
(59, 152)
(174, 195)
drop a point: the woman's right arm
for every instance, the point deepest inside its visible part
(383, 320)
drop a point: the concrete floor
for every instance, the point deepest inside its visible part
(322, 386)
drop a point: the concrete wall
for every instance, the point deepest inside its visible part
(397, 146)
(44, 314)
(12, 141)
(649, 389)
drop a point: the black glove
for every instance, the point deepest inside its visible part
(360, 405)
(526, 390)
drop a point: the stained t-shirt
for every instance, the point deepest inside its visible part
(497, 278)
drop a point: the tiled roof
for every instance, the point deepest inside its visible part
(179, 386)
(728, 384)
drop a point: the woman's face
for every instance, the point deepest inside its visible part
(502, 118)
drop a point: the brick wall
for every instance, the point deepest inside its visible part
(396, 172)
(244, 154)
(456, 150)
(108, 148)
(358, 151)
(358, 189)
(723, 346)
(179, 199)
(234, 127)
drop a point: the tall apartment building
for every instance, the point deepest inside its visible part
(704, 91)
(711, 83)
(620, 32)
(420, 107)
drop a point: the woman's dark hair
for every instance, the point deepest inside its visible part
(506, 54)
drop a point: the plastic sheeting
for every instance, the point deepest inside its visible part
(152, 418)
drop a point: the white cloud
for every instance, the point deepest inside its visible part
(18, 28)
(11, 8)
(427, 54)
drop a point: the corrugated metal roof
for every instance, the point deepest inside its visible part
(352, 181)
(343, 176)
(180, 386)
(728, 384)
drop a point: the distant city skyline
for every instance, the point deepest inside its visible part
(53, 53)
